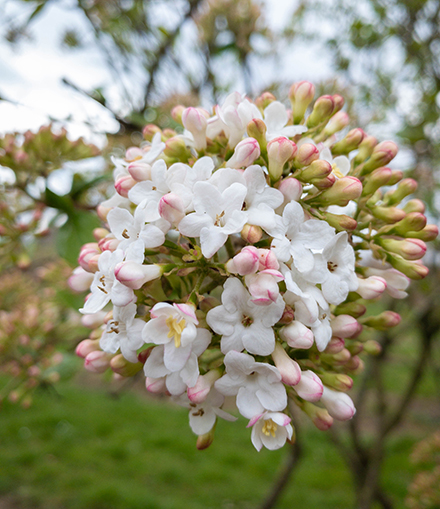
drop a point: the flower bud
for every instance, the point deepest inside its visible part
(135, 275)
(428, 233)
(245, 153)
(365, 149)
(204, 441)
(247, 261)
(382, 154)
(297, 335)
(124, 184)
(307, 153)
(337, 359)
(355, 348)
(264, 286)
(372, 347)
(279, 151)
(291, 188)
(335, 345)
(309, 387)
(340, 222)
(200, 391)
(195, 121)
(97, 361)
(149, 131)
(319, 416)
(351, 142)
(287, 316)
(339, 405)
(263, 101)
(288, 368)
(375, 180)
(93, 320)
(345, 326)
(388, 214)
(301, 94)
(322, 110)
(80, 280)
(175, 148)
(168, 133)
(353, 309)
(414, 205)
(316, 170)
(372, 287)
(267, 260)
(396, 176)
(339, 102)
(120, 365)
(412, 269)
(251, 233)
(336, 123)
(171, 208)
(176, 113)
(109, 243)
(337, 381)
(414, 221)
(144, 354)
(257, 129)
(155, 385)
(383, 321)
(409, 249)
(405, 188)
(344, 190)
(324, 182)
(100, 233)
(133, 154)
(87, 346)
(139, 171)
(88, 251)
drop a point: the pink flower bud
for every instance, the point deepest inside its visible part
(376, 179)
(414, 221)
(94, 263)
(409, 249)
(195, 121)
(175, 148)
(124, 184)
(288, 368)
(388, 214)
(245, 153)
(322, 110)
(340, 382)
(309, 387)
(414, 205)
(109, 243)
(264, 286)
(382, 154)
(372, 287)
(316, 170)
(149, 131)
(97, 361)
(291, 188)
(412, 269)
(251, 233)
(372, 347)
(297, 335)
(307, 153)
(171, 208)
(301, 94)
(405, 188)
(247, 261)
(428, 233)
(177, 112)
(336, 123)
(279, 151)
(133, 154)
(80, 280)
(93, 320)
(339, 102)
(264, 100)
(135, 275)
(335, 345)
(340, 222)
(343, 190)
(351, 142)
(139, 171)
(200, 391)
(267, 259)
(345, 326)
(324, 182)
(120, 365)
(86, 253)
(155, 385)
(383, 321)
(257, 129)
(87, 346)
(339, 405)
(100, 233)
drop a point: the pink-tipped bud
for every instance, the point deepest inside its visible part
(279, 151)
(120, 365)
(345, 326)
(351, 142)
(405, 188)
(371, 287)
(257, 129)
(309, 387)
(100, 233)
(109, 243)
(139, 171)
(316, 170)
(267, 260)
(301, 94)
(307, 153)
(87, 346)
(172, 208)
(409, 249)
(247, 261)
(133, 154)
(93, 320)
(412, 269)
(200, 391)
(340, 382)
(337, 122)
(383, 321)
(414, 205)
(195, 121)
(428, 233)
(382, 154)
(155, 385)
(135, 275)
(97, 361)
(340, 222)
(80, 280)
(124, 184)
(263, 101)
(339, 405)
(87, 252)
(354, 309)
(291, 188)
(205, 440)
(263, 286)
(342, 192)
(339, 102)
(297, 335)
(245, 153)
(175, 148)
(335, 345)
(251, 233)
(375, 180)
(149, 131)
(372, 347)
(168, 133)
(288, 368)
(324, 182)
(365, 149)
(322, 110)
(414, 221)
(176, 113)
(389, 215)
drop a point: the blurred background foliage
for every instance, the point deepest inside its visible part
(96, 445)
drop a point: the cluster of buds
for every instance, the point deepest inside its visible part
(238, 259)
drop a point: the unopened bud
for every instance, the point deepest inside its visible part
(251, 233)
(200, 391)
(341, 193)
(171, 208)
(383, 321)
(135, 275)
(309, 387)
(149, 131)
(372, 347)
(257, 129)
(337, 381)
(124, 184)
(389, 215)
(168, 133)
(297, 335)
(316, 170)
(414, 221)
(120, 365)
(80, 280)
(301, 94)
(339, 405)
(133, 154)
(355, 348)
(428, 233)
(340, 222)
(375, 180)
(204, 441)
(319, 416)
(324, 182)
(97, 361)
(412, 269)
(337, 122)
(263, 101)
(353, 309)
(365, 149)
(87, 252)
(288, 368)
(195, 121)
(405, 188)
(414, 205)
(382, 154)
(372, 287)
(245, 153)
(245, 262)
(175, 148)
(93, 320)
(355, 365)
(307, 153)
(139, 171)
(155, 385)
(291, 188)
(87, 346)
(279, 151)
(322, 110)
(176, 113)
(351, 142)
(409, 249)
(335, 345)
(287, 317)
(109, 243)
(396, 176)
(345, 326)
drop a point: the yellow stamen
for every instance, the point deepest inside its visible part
(176, 329)
(336, 171)
(269, 428)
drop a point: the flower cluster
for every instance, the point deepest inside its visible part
(239, 256)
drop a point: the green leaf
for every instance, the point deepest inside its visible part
(74, 233)
(63, 203)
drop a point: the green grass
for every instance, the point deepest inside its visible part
(84, 449)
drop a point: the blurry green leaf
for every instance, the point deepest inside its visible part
(63, 203)
(80, 186)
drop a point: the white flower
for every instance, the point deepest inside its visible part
(123, 332)
(216, 216)
(276, 118)
(257, 385)
(243, 324)
(270, 429)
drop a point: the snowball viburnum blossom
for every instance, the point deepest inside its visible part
(237, 260)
